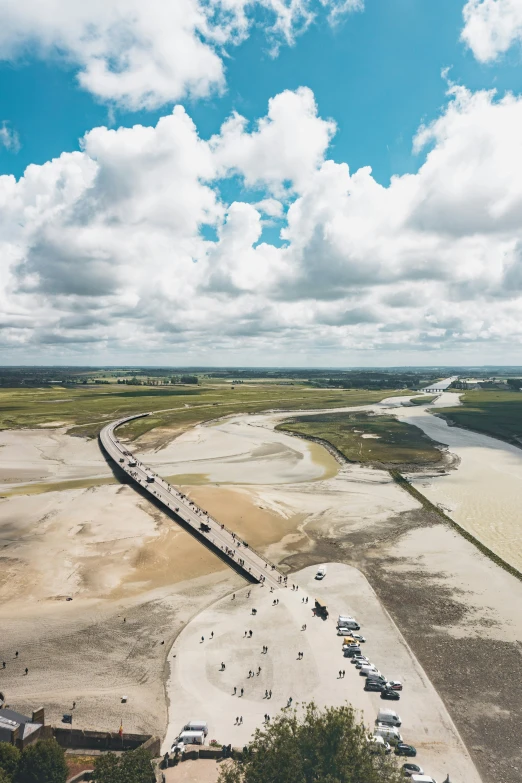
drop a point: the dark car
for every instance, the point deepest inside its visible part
(389, 694)
(402, 749)
(410, 769)
(350, 652)
(373, 685)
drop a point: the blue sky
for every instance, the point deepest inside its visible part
(376, 74)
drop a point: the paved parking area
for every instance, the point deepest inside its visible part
(197, 688)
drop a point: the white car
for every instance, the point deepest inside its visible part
(360, 662)
(358, 637)
(321, 572)
(344, 631)
(394, 685)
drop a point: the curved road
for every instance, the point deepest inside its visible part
(229, 546)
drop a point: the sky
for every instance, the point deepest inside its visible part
(261, 182)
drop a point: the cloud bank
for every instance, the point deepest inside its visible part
(128, 247)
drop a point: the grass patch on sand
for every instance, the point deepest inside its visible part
(388, 441)
(424, 400)
(495, 413)
(87, 409)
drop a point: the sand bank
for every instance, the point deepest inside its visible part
(198, 687)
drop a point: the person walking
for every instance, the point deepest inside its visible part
(269, 694)
(259, 671)
(242, 691)
(3, 664)
(202, 639)
(240, 719)
(235, 691)
(343, 673)
(212, 635)
(26, 670)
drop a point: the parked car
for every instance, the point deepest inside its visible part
(391, 695)
(350, 652)
(402, 749)
(379, 745)
(373, 685)
(411, 769)
(395, 685)
(321, 572)
(361, 661)
(358, 637)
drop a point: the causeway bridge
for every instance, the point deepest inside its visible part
(215, 535)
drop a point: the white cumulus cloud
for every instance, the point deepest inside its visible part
(491, 27)
(146, 54)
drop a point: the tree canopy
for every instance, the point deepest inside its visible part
(43, 762)
(131, 767)
(9, 760)
(330, 746)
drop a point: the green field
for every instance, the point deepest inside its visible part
(496, 413)
(393, 443)
(86, 409)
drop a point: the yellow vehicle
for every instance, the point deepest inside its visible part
(350, 640)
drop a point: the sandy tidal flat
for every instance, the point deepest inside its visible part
(484, 493)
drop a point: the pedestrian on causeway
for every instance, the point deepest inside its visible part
(202, 639)
(242, 691)
(26, 670)
(235, 690)
(343, 673)
(212, 635)
(269, 694)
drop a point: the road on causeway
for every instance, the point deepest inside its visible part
(225, 542)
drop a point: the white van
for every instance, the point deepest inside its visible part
(343, 619)
(422, 779)
(197, 725)
(192, 738)
(364, 671)
(321, 572)
(388, 717)
(389, 734)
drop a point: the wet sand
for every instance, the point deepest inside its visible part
(484, 494)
